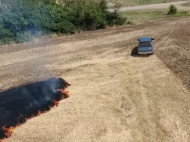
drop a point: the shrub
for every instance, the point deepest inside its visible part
(22, 19)
(172, 10)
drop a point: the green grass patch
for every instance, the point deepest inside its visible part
(138, 17)
(181, 14)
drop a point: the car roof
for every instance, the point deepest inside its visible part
(143, 39)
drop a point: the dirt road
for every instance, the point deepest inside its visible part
(115, 97)
(156, 6)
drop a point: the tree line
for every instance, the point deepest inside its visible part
(22, 19)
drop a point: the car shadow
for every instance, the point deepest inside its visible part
(134, 53)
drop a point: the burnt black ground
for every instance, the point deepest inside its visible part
(17, 104)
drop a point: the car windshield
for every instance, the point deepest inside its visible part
(144, 44)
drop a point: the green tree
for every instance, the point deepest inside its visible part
(22, 19)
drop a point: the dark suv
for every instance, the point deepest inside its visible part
(145, 46)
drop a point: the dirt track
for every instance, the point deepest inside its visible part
(115, 97)
(179, 5)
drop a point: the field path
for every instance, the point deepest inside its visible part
(156, 6)
(115, 97)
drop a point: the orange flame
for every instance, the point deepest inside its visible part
(8, 131)
(65, 92)
(55, 103)
(38, 113)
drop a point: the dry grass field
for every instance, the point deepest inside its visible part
(115, 97)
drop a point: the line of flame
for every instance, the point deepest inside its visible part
(9, 130)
